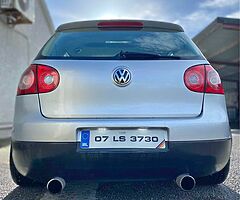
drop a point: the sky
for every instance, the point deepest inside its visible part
(192, 15)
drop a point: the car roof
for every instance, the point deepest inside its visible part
(94, 24)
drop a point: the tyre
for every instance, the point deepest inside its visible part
(216, 178)
(18, 178)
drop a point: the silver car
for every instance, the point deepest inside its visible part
(120, 100)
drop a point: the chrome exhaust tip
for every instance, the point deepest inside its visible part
(56, 185)
(186, 182)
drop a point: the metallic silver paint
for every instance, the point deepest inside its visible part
(157, 90)
(30, 125)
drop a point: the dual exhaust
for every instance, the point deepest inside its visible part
(56, 185)
(184, 181)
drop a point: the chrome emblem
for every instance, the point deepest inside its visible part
(121, 76)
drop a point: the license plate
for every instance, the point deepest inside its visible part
(115, 138)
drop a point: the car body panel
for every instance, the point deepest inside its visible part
(201, 158)
(94, 24)
(86, 90)
(212, 124)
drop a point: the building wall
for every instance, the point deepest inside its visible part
(231, 89)
(220, 43)
(18, 47)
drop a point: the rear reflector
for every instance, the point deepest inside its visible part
(120, 24)
(38, 79)
(203, 78)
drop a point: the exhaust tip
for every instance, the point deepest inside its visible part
(186, 182)
(56, 185)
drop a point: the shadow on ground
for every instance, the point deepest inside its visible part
(162, 190)
(4, 142)
(130, 190)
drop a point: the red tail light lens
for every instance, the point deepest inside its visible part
(48, 78)
(194, 78)
(203, 78)
(28, 82)
(213, 81)
(38, 79)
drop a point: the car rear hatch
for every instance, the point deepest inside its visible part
(87, 57)
(87, 90)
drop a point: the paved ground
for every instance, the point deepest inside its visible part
(230, 190)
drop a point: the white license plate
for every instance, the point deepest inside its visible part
(122, 138)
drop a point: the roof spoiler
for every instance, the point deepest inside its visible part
(120, 24)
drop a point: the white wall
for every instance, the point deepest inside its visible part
(18, 47)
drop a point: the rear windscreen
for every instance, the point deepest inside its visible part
(77, 44)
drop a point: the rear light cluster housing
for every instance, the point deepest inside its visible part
(203, 79)
(38, 79)
(42, 79)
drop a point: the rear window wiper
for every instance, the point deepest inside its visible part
(128, 55)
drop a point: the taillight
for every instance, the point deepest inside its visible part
(203, 78)
(28, 82)
(194, 78)
(38, 79)
(213, 81)
(48, 78)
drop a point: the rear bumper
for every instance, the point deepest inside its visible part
(42, 161)
(31, 126)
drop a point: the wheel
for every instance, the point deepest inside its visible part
(18, 178)
(216, 178)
